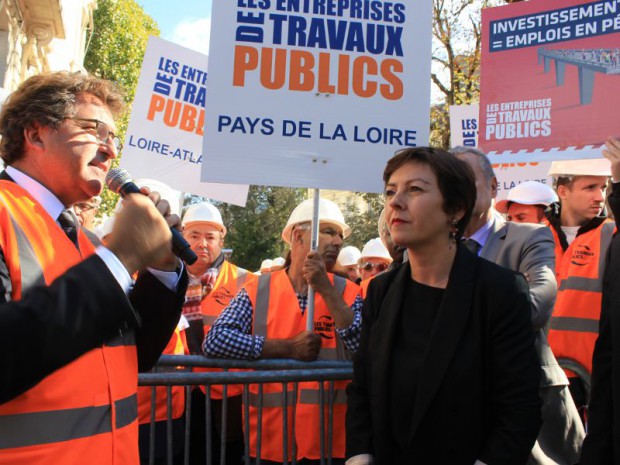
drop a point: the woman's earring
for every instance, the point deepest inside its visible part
(453, 229)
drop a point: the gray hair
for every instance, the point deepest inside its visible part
(485, 163)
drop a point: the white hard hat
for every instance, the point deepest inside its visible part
(266, 265)
(204, 212)
(375, 248)
(528, 193)
(328, 213)
(172, 196)
(349, 255)
(278, 261)
(590, 167)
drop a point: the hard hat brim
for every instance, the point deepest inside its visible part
(344, 228)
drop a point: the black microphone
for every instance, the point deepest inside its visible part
(119, 181)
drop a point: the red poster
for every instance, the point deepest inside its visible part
(550, 79)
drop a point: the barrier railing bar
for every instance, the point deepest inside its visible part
(209, 378)
(270, 364)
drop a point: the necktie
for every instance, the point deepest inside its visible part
(472, 245)
(68, 223)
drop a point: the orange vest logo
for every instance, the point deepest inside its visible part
(582, 256)
(324, 326)
(222, 296)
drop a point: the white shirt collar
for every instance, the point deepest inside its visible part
(41, 194)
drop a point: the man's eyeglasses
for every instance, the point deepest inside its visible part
(83, 207)
(102, 131)
(367, 266)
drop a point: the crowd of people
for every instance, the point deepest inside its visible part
(473, 325)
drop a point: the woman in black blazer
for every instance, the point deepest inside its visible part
(446, 372)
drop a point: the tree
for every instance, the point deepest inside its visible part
(456, 59)
(115, 52)
(254, 231)
(364, 224)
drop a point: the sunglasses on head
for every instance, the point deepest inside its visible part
(367, 266)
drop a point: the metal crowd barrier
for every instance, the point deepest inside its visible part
(175, 370)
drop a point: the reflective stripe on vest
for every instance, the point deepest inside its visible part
(567, 323)
(31, 271)
(262, 305)
(30, 429)
(242, 276)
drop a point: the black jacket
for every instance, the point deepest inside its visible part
(477, 396)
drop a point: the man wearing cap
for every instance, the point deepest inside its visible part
(527, 248)
(267, 319)
(582, 236)
(213, 281)
(374, 259)
(347, 263)
(527, 202)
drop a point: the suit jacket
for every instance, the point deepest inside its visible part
(477, 395)
(529, 249)
(602, 444)
(51, 326)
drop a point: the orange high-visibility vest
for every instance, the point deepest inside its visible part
(277, 315)
(86, 411)
(229, 281)
(364, 287)
(579, 272)
(177, 345)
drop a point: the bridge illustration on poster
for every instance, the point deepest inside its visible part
(588, 62)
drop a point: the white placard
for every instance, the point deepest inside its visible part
(509, 175)
(464, 132)
(464, 125)
(314, 93)
(164, 137)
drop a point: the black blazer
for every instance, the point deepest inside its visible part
(602, 444)
(477, 396)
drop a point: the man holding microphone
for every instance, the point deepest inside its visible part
(74, 328)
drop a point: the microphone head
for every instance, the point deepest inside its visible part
(117, 178)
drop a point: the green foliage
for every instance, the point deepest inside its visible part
(254, 231)
(115, 52)
(364, 223)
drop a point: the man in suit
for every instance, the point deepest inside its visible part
(74, 328)
(529, 249)
(601, 444)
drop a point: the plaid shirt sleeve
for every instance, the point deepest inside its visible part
(351, 336)
(231, 334)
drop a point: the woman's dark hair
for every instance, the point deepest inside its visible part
(455, 178)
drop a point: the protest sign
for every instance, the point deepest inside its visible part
(164, 136)
(549, 80)
(314, 93)
(464, 132)
(464, 125)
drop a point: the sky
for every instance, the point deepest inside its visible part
(184, 22)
